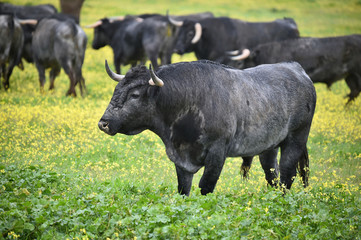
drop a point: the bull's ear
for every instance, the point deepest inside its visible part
(154, 79)
(113, 75)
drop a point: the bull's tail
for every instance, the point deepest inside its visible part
(303, 167)
(246, 166)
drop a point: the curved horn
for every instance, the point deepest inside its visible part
(155, 81)
(28, 21)
(118, 18)
(94, 25)
(138, 19)
(113, 75)
(174, 22)
(233, 53)
(198, 34)
(245, 54)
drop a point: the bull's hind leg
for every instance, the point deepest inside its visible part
(2, 74)
(53, 74)
(41, 71)
(71, 74)
(82, 85)
(304, 168)
(7, 75)
(293, 150)
(270, 166)
(80, 79)
(246, 166)
(354, 83)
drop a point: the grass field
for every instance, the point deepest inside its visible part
(62, 178)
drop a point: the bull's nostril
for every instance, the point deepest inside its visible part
(103, 125)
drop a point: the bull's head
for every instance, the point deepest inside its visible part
(190, 33)
(102, 31)
(132, 106)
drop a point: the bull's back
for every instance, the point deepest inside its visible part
(324, 59)
(252, 34)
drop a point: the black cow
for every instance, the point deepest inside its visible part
(325, 60)
(11, 43)
(205, 112)
(28, 12)
(210, 38)
(36, 12)
(138, 37)
(123, 36)
(59, 42)
(159, 36)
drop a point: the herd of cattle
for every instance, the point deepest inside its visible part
(204, 111)
(53, 40)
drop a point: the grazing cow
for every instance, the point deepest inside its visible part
(136, 38)
(11, 43)
(123, 36)
(210, 38)
(28, 12)
(204, 112)
(159, 36)
(60, 43)
(325, 60)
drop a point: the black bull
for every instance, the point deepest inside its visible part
(205, 112)
(325, 60)
(210, 38)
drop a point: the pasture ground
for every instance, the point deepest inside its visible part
(60, 177)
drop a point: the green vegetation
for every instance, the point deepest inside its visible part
(61, 178)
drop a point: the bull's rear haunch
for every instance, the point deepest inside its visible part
(205, 112)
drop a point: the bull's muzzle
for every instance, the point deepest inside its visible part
(104, 126)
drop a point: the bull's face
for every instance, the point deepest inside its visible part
(131, 108)
(100, 38)
(189, 34)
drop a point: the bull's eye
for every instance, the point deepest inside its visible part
(134, 95)
(190, 34)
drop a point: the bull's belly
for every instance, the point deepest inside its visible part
(254, 145)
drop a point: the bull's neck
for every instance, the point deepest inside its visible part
(162, 129)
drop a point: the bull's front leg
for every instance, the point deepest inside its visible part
(212, 170)
(184, 181)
